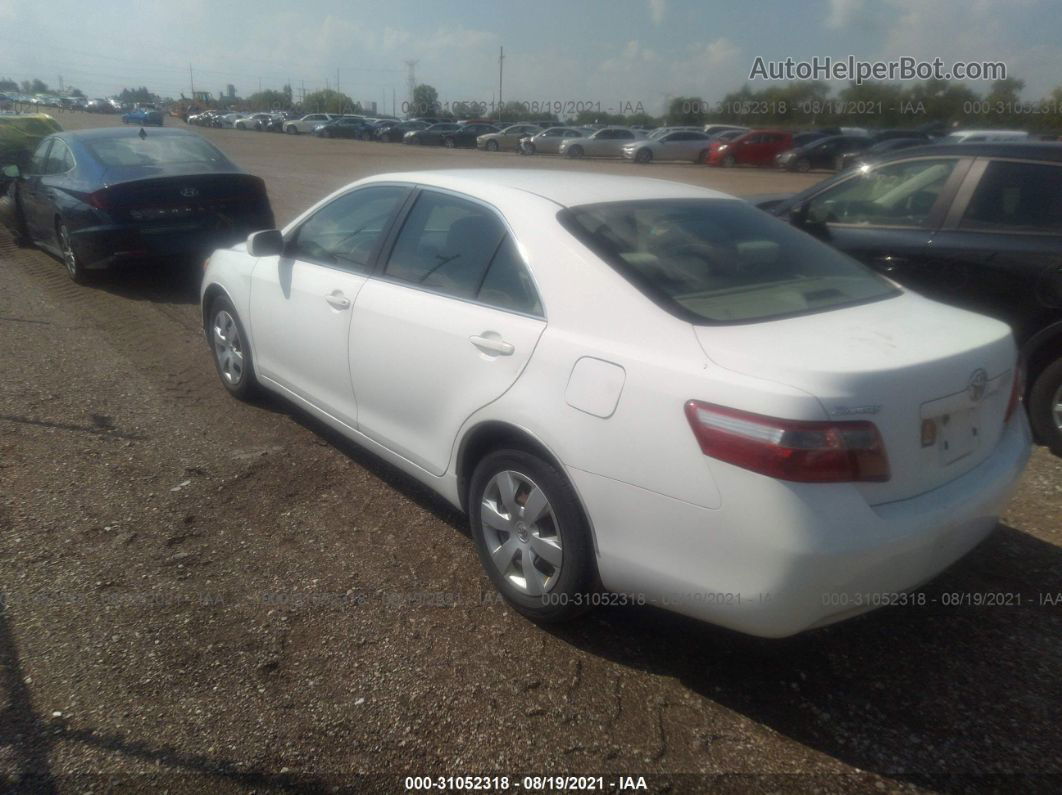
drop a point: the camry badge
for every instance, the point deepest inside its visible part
(845, 411)
(189, 192)
(978, 384)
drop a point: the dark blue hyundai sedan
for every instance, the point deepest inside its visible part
(100, 197)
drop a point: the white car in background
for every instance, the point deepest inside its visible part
(606, 142)
(689, 145)
(308, 123)
(636, 383)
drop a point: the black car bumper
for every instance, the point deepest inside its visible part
(102, 246)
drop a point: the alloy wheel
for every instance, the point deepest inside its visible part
(521, 533)
(69, 257)
(228, 348)
(1056, 408)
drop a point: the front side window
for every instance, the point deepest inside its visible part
(446, 244)
(346, 232)
(899, 194)
(1018, 197)
(721, 260)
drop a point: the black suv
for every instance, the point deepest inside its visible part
(975, 225)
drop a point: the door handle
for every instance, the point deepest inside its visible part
(492, 344)
(338, 300)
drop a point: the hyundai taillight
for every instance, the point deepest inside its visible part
(797, 450)
(1017, 389)
(101, 199)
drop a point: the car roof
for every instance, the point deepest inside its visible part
(557, 187)
(1043, 150)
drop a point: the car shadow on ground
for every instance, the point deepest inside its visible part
(941, 696)
(157, 281)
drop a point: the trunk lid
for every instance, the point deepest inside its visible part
(225, 199)
(896, 362)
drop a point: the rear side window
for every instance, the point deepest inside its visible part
(1020, 197)
(446, 244)
(721, 260)
(508, 284)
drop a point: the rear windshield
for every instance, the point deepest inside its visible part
(154, 150)
(721, 260)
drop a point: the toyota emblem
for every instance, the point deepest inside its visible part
(978, 384)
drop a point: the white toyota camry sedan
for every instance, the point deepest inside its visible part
(634, 387)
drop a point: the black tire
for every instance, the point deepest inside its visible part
(729, 161)
(575, 151)
(491, 146)
(292, 131)
(529, 149)
(72, 256)
(803, 165)
(643, 156)
(569, 595)
(449, 143)
(1045, 393)
(702, 156)
(838, 163)
(246, 386)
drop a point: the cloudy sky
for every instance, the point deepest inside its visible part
(608, 51)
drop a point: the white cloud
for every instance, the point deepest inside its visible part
(842, 13)
(657, 9)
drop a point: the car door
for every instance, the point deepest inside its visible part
(301, 300)
(886, 217)
(1002, 244)
(445, 327)
(32, 195)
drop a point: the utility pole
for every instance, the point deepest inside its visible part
(412, 79)
(394, 105)
(191, 81)
(60, 84)
(337, 79)
(501, 65)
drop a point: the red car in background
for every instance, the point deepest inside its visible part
(754, 148)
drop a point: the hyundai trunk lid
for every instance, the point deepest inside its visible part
(896, 362)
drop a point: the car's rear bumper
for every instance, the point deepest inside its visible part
(796, 556)
(102, 246)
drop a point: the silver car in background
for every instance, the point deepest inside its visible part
(549, 140)
(686, 145)
(606, 142)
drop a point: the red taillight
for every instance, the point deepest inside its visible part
(1017, 389)
(807, 452)
(101, 199)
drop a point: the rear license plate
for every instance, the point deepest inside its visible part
(958, 435)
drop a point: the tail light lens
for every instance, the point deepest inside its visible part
(795, 450)
(1017, 389)
(101, 199)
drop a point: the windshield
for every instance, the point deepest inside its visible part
(721, 260)
(154, 150)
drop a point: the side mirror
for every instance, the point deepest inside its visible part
(269, 243)
(798, 214)
(12, 172)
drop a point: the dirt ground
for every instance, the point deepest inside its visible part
(204, 595)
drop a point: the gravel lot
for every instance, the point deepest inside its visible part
(205, 595)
